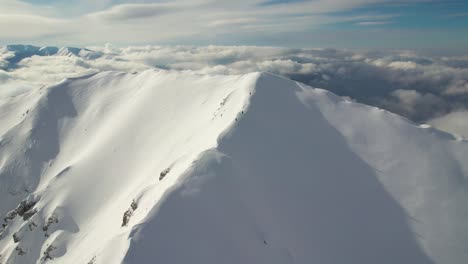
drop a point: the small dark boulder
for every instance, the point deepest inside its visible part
(126, 217)
(164, 173)
(29, 214)
(15, 238)
(134, 205)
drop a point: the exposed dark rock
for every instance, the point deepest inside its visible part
(29, 214)
(51, 220)
(10, 216)
(23, 209)
(126, 217)
(46, 254)
(164, 173)
(128, 214)
(20, 251)
(15, 238)
(32, 226)
(134, 205)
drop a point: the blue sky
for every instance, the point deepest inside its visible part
(354, 24)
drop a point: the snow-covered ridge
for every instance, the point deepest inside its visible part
(168, 167)
(15, 53)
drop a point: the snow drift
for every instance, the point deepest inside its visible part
(167, 167)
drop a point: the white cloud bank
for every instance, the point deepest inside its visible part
(418, 87)
(455, 122)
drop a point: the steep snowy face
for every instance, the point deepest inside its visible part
(167, 167)
(83, 151)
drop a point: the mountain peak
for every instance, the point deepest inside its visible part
(264, 169)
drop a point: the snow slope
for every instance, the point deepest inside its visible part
(15, 53)
(168, 167)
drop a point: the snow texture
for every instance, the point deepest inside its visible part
(169, 167)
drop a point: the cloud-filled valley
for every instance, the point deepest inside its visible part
(248, 131)
(420, 87)
(136, 167)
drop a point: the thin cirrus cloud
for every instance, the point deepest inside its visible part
(125, 12)
(129, 12)
(298, 23)
(373, 23)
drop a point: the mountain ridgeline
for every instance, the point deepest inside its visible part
(170, 167)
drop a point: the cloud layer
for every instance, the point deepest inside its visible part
(304, 23)
(455, 122)
(421, 88)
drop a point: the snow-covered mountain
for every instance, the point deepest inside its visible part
(168, 167)
(13, 54)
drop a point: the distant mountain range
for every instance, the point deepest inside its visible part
(19, 52)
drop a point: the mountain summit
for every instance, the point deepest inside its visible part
(170, 167)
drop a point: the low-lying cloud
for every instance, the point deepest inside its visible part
(421, 88)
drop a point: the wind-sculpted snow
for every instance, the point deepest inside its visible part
(168, 167)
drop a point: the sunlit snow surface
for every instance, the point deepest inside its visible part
(169, 167)
(426, 88)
